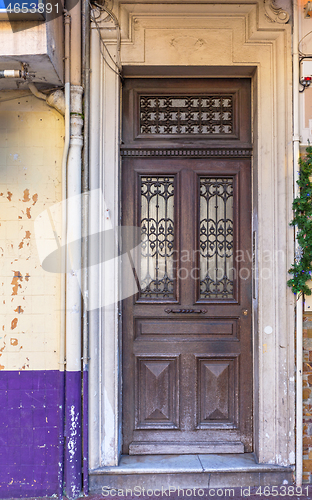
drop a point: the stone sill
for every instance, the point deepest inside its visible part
(175, 464)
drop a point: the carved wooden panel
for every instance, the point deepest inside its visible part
(175, 113)
(217, 397)
(216, 327)
(186, 152)
(157, 393)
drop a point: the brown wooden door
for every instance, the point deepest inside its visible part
(187, 366)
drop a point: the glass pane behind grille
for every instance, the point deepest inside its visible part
(157, 225)
(212, 115)
(216, 238)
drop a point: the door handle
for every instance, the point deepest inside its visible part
(186, 311)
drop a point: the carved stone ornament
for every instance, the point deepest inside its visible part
(275, 14)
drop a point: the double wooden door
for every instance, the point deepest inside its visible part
(187, 349)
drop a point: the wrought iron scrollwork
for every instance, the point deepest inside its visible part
(216, 238)
(157, 226)
(175, 115)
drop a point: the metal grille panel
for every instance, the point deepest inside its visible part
(157, 226)
(216, 238)
(174, 115)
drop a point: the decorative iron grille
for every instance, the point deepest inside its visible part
(157, 226)
(216, 238)
(212, 115)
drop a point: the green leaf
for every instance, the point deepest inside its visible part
(302, 207)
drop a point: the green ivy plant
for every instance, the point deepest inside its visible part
(302, 207)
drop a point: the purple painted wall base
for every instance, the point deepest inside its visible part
(31, 427)
(73, 444)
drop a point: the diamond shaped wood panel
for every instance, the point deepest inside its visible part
(157, 393)
(217, 392)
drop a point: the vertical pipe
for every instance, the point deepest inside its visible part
(73, 447)
(85, 215)
(74, 7)
(299, 301)
(64, 230)
(299, 402)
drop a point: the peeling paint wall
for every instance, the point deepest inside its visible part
(31, 385)
(31, 145)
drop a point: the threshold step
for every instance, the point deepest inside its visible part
(188, 471)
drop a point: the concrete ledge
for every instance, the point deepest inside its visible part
(189, 471)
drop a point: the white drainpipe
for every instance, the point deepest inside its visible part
(299, 409)
(73, 291)
(73, 445)
(299, 302)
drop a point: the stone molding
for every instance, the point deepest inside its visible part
(244, 34)
(275, 14)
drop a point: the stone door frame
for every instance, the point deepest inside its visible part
(248, 39)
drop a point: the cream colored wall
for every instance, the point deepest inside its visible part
(31, 145)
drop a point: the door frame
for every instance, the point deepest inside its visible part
(253, 38)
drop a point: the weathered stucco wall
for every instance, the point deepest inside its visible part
(31, 144)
